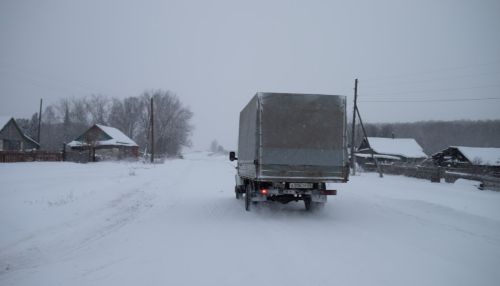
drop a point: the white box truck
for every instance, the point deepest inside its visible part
(289, 146)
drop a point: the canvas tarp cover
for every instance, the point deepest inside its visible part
(247, 141)
(303, 129)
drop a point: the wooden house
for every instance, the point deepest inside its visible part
(12, 138)
(470, 158)
(390, 151)
(105, 142)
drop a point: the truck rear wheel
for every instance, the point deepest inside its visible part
(308, 203)
(248, 197)
(237, 192)
(312, 206)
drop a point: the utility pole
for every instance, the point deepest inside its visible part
(381, 175)
(353, 158)
(151, 123)
(39, 121)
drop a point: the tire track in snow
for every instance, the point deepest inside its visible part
(413, 209)
(58, 241)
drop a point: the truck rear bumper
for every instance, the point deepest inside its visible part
(275, 194)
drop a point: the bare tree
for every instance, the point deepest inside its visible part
(215, 147)
(172, 127)
(51, 137)
(29, 126)
(70, 117)
(97, 107)
(79, 112)
(125, 115)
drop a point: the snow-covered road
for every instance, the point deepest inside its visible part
(178, 224)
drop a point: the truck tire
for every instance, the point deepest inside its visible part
(237, 192)
(248, 197)
(308, 203)
(313, 206)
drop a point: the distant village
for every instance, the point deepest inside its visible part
(404, 156)
(100, 142)
(151, 126)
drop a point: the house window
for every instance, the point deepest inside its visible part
(1, 145)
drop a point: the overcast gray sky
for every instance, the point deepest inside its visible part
(441, 57)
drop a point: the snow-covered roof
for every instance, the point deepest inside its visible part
(406, 147)
(481, 156)
(4, 120)
(117, 138)
(30, 139)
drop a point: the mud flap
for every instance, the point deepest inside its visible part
(318, 198)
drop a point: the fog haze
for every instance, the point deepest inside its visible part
(415, 60)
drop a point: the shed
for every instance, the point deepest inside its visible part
(105, 142)
(391, 150)
(467, 157)
(12, 138)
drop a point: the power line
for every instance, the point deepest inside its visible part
(439, 90)
(432, 100)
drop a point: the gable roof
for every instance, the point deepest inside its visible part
(117, 138)
(31, 139)
(405, 147)
(4, 120)
(482, 156)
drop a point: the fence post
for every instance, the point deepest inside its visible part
(63, 156)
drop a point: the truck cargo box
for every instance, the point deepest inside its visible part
(293, 137)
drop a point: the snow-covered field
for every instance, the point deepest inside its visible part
(178, 223)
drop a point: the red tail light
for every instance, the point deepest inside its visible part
(263, 191)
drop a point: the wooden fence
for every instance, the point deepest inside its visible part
(489, 181)
(29, 156)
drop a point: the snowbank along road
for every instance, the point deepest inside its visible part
(178, 223)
